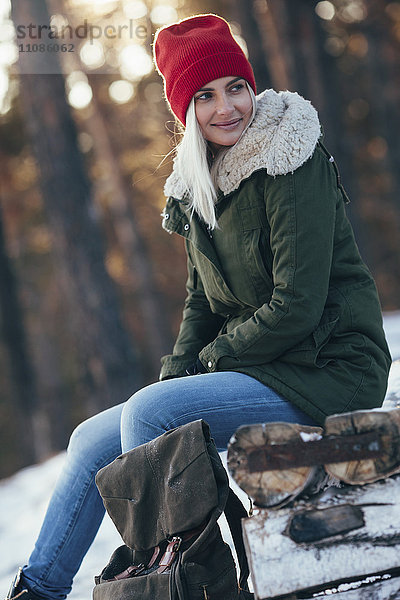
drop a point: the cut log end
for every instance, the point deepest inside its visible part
(359, 472)
(271, 488)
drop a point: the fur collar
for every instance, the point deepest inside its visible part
(282, 136)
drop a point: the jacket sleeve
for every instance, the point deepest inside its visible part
(301, 209)
(198, 327)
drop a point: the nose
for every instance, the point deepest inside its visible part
(224, 105)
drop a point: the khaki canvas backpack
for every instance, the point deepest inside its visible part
(164, 498)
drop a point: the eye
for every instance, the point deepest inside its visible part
(237, 87)
(203, 96)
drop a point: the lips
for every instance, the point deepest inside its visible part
(228, 124)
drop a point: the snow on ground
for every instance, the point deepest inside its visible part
(391, 323)
(24, 497)
(23, 501)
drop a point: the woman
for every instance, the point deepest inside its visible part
(282, 319)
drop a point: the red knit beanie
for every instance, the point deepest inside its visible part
(194, 51)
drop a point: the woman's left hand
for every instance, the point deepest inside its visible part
(196, 369)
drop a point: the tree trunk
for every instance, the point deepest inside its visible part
(250, 16)
(29, 447)
(158, 339)
(109, 365)
(377, 156)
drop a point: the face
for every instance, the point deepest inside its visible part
(223, 109)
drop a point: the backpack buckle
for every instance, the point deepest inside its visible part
(169, 555)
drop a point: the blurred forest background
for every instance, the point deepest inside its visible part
(91, 287)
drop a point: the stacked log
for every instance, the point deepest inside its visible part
(276, 487)
(342, 540)
(274, 463)
(361, 471)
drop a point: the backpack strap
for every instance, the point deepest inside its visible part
(234, 512)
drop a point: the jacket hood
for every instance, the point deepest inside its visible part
(282, 136)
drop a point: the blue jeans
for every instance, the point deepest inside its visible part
(225, 400)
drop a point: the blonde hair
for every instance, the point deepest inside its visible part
(193, 164)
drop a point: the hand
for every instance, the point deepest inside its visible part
(196, 369)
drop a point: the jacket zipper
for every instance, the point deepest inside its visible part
(331, 159)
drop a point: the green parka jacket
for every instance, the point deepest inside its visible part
(279, 291)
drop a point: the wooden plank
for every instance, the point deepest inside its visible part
(332, 449)
(280, 565)
(388, 589)
(318, 524)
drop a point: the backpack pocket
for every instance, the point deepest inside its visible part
(154, 586)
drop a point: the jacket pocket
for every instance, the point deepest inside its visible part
(322, 336)
(323, 332)
(308, 352)
(256, 253)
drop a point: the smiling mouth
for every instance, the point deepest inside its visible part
(228, 125)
